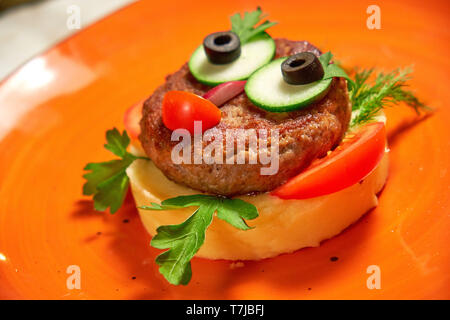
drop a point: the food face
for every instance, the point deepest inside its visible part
(304, 135)
(322, 134)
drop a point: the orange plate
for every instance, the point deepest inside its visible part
(55, 109)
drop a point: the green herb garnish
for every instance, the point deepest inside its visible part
(108, 181)
(333, 70)
(246, 27)
(185, 239)
(389, 89)
(369, 98)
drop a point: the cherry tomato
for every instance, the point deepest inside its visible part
(180, 109)
(131, 119)
(355, 158)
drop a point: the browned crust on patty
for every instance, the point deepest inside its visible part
(304, 135)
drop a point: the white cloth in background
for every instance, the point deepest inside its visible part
(30, 29)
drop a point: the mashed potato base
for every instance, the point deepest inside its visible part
(283, 226)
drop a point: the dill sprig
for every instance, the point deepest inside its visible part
(390, 89)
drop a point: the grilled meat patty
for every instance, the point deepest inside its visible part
(304, 135)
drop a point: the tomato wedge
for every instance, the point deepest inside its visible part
(131, 119)
(180, 109)
(349, 163)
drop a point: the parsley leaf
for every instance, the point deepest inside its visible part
(185, 239)
(108, 181)
(234, 211)
(117, 143)
(389, 89)
(325, 59)
(333, 70)
(245, 27)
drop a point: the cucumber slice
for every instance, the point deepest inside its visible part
(254, 54)
(267, 89)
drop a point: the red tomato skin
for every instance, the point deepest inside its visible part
(350, 163)
(181, 108)
(131, 119)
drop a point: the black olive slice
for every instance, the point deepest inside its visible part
(302, 68)
(222, 47)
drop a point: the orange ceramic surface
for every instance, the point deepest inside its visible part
(55, 109)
